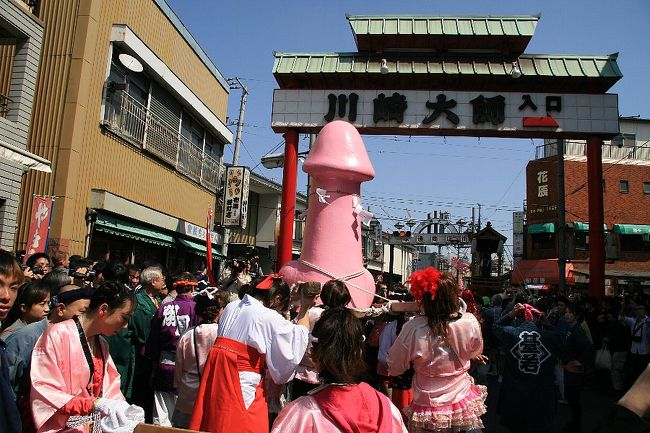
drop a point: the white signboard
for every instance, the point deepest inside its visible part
(430, 239)
(198, 232)
(235, 208)
(448, 112)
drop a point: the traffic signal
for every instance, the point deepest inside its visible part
(402, 234)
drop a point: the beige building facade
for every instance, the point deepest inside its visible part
(131, 111)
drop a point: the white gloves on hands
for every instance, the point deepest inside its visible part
(115, 410)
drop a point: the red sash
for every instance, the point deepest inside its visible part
(219, 406)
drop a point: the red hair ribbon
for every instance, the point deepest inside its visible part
(529, 310)
(183, 283)
(425, 280)
(267, 282)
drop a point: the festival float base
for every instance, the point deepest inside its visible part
(150, 428)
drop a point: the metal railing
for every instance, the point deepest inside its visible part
(126, 117)
(579, 148)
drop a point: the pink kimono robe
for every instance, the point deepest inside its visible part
(60, 372)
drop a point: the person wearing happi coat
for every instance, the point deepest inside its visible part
(73, 378)
(532, 347)
(254, 340)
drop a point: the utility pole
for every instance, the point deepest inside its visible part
(479, 216)
(235, 83)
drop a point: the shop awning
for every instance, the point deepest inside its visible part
(199, 248)
(541, 228)
(584, 227)
(544, 271)
(23, 157)
(127, 229)
(631, 229)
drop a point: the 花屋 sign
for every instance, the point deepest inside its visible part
(235, 208)
(448, 112)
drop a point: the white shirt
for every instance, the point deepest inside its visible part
(282, 342)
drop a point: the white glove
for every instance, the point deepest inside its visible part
(113, 409)
(134, 416)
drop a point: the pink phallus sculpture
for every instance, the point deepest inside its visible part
(331, 246)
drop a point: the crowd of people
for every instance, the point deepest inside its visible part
(101, 346)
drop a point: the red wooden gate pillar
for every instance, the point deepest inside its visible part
(288, 205)
(596, 217)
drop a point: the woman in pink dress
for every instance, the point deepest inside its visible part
(439, 344)
(343, 403)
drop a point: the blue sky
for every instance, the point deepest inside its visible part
(424, 174)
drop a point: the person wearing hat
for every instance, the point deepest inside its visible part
(71, 301)
(254, 340)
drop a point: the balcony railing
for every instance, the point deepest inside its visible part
(579, 148)
(132, 121)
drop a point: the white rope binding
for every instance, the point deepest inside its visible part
(344, 278)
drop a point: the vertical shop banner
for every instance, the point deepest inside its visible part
(208, 247)
(235, 212)
(39, 225)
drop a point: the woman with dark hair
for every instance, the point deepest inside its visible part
(439, 344)
(192, 351)
(37, 266)
(343, 403)
(333, 294)
(73, 378)
(254, 340)
(32, 305)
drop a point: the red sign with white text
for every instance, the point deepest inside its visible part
(39, 225)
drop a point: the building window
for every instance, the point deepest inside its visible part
(624, 187)
(646, 187)
(144, 113)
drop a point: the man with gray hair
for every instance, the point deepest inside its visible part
(127, 346)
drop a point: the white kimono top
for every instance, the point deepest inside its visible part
(282, 342)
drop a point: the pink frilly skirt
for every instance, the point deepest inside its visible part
(456, 417)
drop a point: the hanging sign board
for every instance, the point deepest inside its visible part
(440, 112)
(235, 201)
